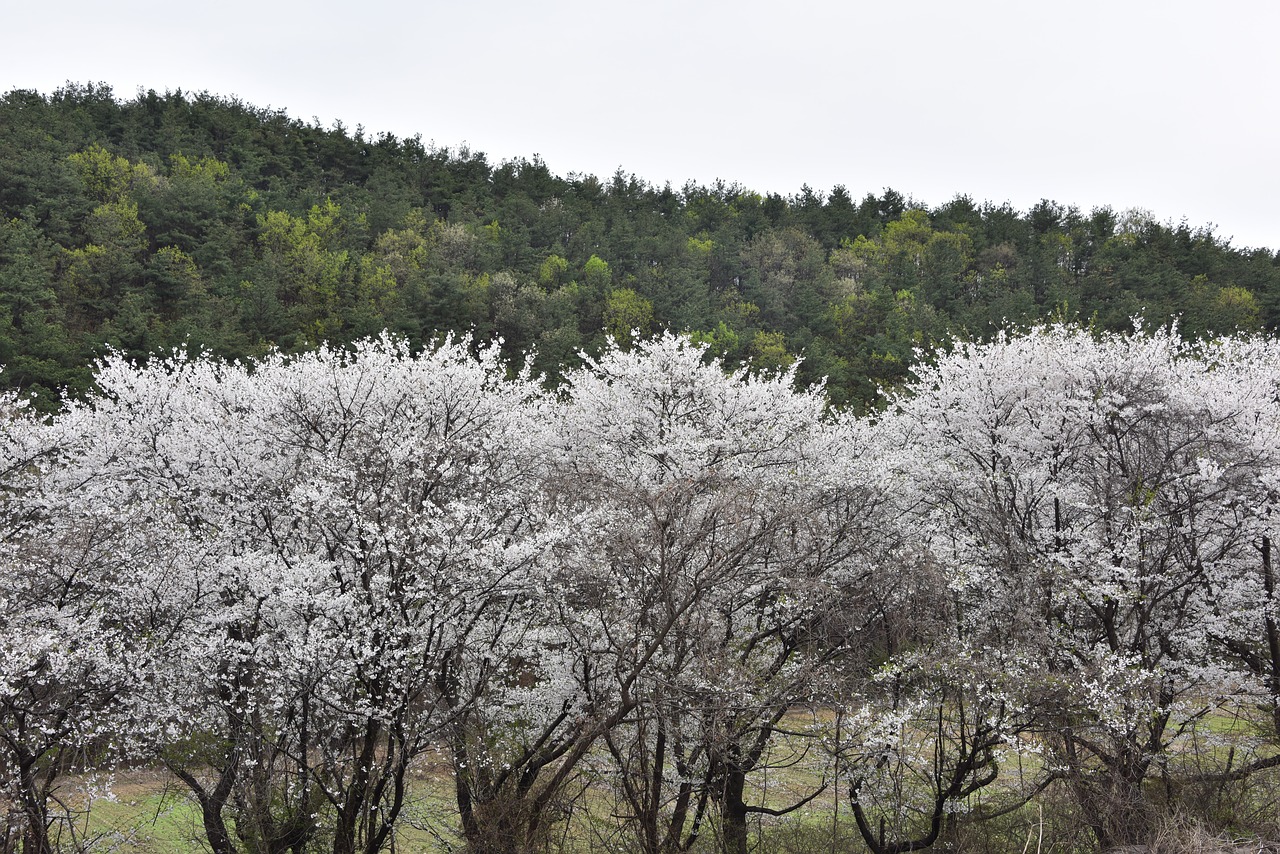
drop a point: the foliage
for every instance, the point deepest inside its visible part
(291, 581)
(189, 220)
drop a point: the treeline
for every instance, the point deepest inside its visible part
(345, 594)
(204, 223)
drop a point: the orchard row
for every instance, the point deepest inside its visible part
(290, 582)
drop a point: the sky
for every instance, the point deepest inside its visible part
(1171, 107)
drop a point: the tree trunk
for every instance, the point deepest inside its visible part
(211, 806)
(35, 806)
(733, 813)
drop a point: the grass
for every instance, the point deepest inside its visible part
(142, 813)
(148, 813)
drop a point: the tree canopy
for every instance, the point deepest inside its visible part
(200, 222)
(291, 583)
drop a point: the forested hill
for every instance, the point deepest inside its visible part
(179, 220)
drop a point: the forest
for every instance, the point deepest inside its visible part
(374, 497)
(192, 221)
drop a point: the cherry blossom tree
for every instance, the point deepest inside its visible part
(364, 518)
(1240, 378)
(186, 438)
(1087, 496)
(920, 724)
(70, 651)
(704, 529)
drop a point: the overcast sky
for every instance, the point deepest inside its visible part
(1169, 106)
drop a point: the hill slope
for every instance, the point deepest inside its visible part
(200, 221)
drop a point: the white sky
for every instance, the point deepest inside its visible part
(1170, 106)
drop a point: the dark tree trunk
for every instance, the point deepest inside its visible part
(733, 812)
(211, 806)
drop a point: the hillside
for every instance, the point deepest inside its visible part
(198, 221)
